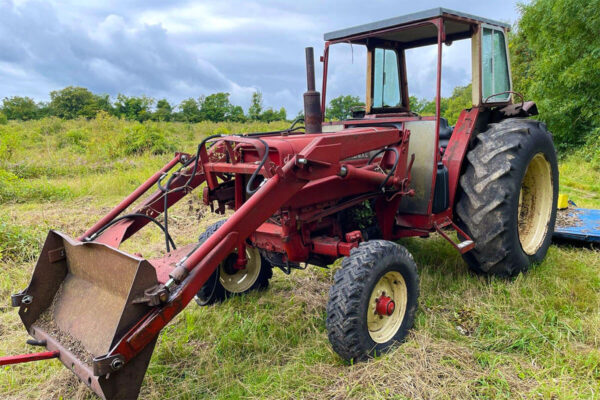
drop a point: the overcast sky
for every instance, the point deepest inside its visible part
(179, 49)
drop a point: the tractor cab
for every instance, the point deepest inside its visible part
(387, 42)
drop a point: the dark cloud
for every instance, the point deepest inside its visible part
(179, 49)
(109, 56)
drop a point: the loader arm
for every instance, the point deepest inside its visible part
(194, 270)
(113, 305)
(321, 158)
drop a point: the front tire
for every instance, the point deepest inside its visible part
(226, 281)
(507, 204)
(359, 323)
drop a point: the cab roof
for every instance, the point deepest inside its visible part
(457, 25)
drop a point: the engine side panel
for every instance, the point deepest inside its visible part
(423, 145)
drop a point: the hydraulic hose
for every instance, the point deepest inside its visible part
(255, 173)
(391, 172)
(114, 221)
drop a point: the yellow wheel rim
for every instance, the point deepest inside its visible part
(535, 204)
(243, 279)
(383, 328)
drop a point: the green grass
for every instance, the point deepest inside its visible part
(537, 337)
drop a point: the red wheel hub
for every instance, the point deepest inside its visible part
(385, 305)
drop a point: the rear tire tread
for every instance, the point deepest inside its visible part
(488, 186)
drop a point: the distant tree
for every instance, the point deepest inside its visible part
(236, 114)
(555, 54)
(428, 107)
(417, 105)
(72, 102)
(461, 98)
(190, 111)
(340, 107)
(44, 110)
(163, 111)
(215, 107)
(134, 108)
(22, 108)
(104, 103)
(270, 115)
(256, 106)
(450, 107)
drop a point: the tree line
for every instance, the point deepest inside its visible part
(78, 102)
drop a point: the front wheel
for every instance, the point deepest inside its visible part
(373, 300)
(227, 281)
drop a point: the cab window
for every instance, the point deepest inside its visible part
(494, 65)
(386, 82)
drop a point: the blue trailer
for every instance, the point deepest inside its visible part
(580, 224)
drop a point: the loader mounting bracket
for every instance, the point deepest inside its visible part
(107, 364)
(17, 299)
(154, 296)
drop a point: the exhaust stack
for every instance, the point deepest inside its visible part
(312, 98)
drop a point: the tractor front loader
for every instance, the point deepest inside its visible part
(311, 195)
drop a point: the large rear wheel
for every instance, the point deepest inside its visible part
(508, 196)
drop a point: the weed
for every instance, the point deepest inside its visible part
(76, 139)
(17, 190)
(50, 126)
(18, 243)
(146, 138)
(9, 142)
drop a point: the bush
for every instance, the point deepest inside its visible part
(50, 126)
(3, 119)
(590, 152)
(554, 54)
(76, 139)
(22, 108)
(146, 138)
(9, 142)
(74, 102)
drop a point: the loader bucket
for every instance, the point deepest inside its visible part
(80, 301)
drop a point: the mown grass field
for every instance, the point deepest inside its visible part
(537, 337)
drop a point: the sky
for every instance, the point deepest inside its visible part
(179, 49)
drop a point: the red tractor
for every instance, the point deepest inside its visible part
(310, 195)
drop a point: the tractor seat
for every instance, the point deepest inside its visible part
(445, 132)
